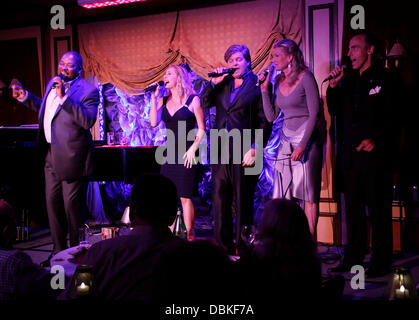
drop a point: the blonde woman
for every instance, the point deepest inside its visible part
(181, 104)
(299, 161)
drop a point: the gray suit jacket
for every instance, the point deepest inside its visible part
(71, 140)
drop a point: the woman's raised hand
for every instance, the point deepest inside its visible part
(263, 80)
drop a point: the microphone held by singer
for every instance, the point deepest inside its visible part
(225, 71)
(330, 77)
(271, 68)
(64, 78)
(154, 86)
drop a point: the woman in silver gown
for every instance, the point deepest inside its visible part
(299, 161)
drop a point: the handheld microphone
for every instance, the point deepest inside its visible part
(225, 71)
(331, 77)
(154, 86)
(265, 73)
(62, 77)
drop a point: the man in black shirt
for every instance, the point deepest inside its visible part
(364, 103)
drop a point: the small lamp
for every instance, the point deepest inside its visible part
(401, 285)
(397, 52)
(83, 281)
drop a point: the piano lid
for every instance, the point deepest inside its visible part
(22, 127)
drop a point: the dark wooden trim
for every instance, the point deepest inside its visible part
(75, 37)
(311, 9)
(66, 38)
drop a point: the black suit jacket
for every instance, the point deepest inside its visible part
(245, 111)
(365, 108)
(71, 140)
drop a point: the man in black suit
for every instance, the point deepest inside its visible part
(66, 114)
(238, 103)
(364, 102)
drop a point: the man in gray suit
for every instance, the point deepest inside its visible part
(66, 114)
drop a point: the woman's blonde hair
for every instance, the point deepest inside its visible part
(183, 83)
(297, 63)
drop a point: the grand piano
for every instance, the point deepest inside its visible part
(111, 163)
(122, 162)
(20, 172)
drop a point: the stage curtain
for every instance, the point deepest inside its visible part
(133, 53)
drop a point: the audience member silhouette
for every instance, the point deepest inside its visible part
(20, 278)
(122, 266)
(193, 272)
(284, 262)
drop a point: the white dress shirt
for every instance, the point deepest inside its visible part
(51, 106)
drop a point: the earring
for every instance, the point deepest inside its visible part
(289, 65)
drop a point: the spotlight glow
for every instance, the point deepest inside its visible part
(100, 4)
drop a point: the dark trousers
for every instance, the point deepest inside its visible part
(232, 190)
(66, 206)
(368, 183)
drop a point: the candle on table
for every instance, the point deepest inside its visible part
(83, 289)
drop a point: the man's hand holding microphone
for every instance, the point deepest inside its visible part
(58, 84)
(335, 75)
(219, 74)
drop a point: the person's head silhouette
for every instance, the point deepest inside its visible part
(147, 205)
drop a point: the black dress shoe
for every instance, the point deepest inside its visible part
(377, 272)
(47, 263)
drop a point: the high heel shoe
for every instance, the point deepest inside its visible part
(191, 235)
